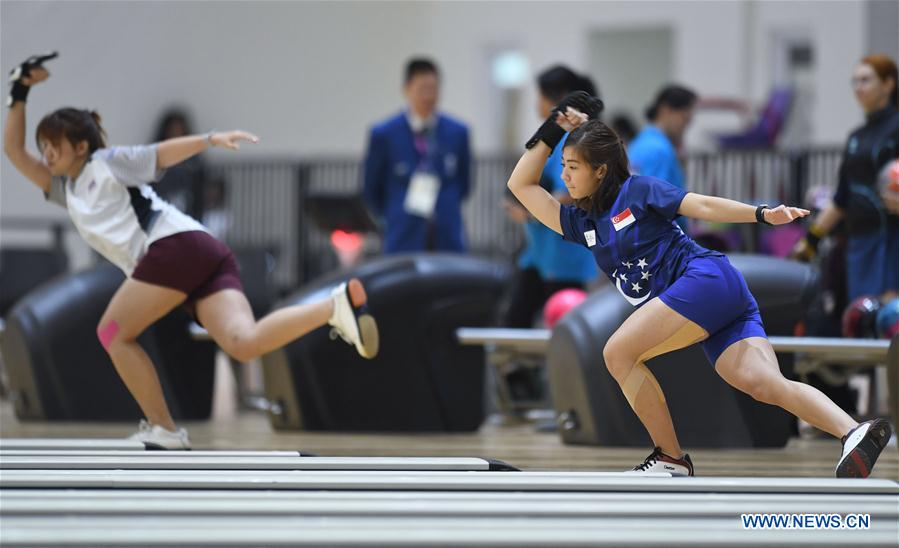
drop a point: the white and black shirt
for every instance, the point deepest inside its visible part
(115, 209)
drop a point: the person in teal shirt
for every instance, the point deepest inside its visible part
(653, 152)
(548, 263)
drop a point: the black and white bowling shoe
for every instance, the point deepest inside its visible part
(658, 462)
(861, 447)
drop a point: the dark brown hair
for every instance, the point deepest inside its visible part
(558, 81)
(886, 70)
(672, 96)
(75, 125)
(598, 145)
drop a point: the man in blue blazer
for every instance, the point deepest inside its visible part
(417, 170)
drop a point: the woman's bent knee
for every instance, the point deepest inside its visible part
(107, 333)
(765, 390)
(242, 349)
(618, 362)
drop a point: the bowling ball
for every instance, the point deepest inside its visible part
(888, 319)
(860, 318)
(560, 303)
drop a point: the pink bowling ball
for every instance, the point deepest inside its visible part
(560, 303)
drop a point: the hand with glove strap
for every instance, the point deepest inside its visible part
(28, 73)
(551, 132)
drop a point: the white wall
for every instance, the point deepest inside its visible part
(311, 77)
(837, 31)
(308, 77)
(641, 58)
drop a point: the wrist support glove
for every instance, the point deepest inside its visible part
(550, 132)
(19, 90)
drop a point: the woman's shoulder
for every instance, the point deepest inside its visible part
(642, 182)
(643, 192)
(117, 150)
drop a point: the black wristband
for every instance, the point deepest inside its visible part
(759, 214)
(19, 92)
(550, 133)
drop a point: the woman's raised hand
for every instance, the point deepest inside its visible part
(570, 119)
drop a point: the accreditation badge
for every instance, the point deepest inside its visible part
(421, 196)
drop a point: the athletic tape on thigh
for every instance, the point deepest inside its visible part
(107, 333)
(682, 338)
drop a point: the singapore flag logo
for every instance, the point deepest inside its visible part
(623, 219)
(632, 281)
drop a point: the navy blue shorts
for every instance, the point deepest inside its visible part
(713, 294)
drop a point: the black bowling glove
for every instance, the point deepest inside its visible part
(550, 132)
(19, 90)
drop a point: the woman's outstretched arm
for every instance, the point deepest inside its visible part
(174, 151)
(722, 210)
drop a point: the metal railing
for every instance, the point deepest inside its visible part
(267, 203)
(506, 345)
(751, 176)
(266, 199)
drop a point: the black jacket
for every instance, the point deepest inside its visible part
(867, 150)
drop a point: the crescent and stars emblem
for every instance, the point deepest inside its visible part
(633, 281)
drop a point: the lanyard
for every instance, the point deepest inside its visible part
(426, 146)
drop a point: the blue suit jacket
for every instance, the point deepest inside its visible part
(389, 164)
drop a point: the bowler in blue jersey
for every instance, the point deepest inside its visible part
(683, 293)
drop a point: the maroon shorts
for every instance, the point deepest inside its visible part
(194, 263)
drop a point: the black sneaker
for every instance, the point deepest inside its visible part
(660, 462)
(861, 447)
